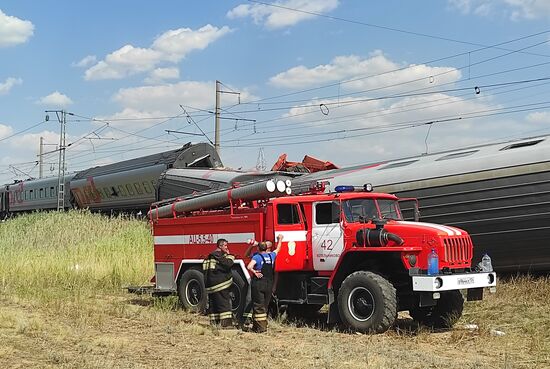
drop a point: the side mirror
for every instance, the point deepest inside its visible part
(414, 207)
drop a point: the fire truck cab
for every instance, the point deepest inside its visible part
(349, 249)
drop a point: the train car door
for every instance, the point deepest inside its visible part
(327, 236)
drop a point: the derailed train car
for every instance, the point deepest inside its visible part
(131, 185)
(499, 193)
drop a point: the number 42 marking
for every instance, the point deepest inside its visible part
(327, 245)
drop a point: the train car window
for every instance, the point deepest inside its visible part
(113, 192)
(26, 195)
(521, 144)
(130, 189)
(41, 193)
(287, 214)
(457, 155)
(52, 191)
(35, 196)
(147, 187)
(397, 165)
(122, 191)
(138, 188)
(107, 192)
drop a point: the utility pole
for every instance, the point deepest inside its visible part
(40, 158)
(217, 114)
(260, 162)
(217, 125)
(62, 118)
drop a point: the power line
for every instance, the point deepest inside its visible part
(393, 29)
(22, 131)
(399, 126)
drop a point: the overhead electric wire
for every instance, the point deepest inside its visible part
(404, 125)
(393, 29)
(373, 114)
(472, 88)
(339, 83)
(21, 131)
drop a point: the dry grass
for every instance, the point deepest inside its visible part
(54, 315)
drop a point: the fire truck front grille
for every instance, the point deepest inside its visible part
(458, 250)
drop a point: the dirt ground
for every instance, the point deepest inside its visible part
(126, 331)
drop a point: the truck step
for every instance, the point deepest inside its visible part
(317, 298)
(319, 285)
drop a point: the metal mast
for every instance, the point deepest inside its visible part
(217, 113)
(62, 118)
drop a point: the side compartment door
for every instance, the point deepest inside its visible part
(290, 223)
(327, 236)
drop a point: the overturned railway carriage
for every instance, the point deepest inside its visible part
(499, 193)
(131, 185)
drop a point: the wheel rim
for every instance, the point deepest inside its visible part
(361, 304)
(193, 292)
(235, 295)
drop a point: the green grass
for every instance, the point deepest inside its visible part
(50, 256)
(62, 305)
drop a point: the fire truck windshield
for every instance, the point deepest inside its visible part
(361, 210)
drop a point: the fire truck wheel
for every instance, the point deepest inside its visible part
(367, 302)
(443, 315)
(192, 292)
(238, 294)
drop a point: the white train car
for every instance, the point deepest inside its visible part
(499, 193)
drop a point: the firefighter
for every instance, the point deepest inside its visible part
(218, 279)
(246, 319)
(261, 268)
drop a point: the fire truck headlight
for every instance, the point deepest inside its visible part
(438, 282)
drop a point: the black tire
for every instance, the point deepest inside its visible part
(444, 314)
(367, 302)
(192, 292)
(299, 311)
(238, 292)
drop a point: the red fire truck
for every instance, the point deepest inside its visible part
(349, 249)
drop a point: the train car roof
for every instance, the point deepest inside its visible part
(446, 163)
(190, 155)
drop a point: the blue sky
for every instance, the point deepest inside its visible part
(347, 81)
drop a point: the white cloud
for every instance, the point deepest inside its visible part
(369, 73)
(529, 9)
(55, 99)
(164, 100)
(168, 97)
(86, 61)
(274, 17)
(171, 47)
(539, 117)
(124, 62)
(14, 31)
(5, 131)
(32, 140)
(174, 45)
(381, 130)
(160, 75)
(514, 9)
(8, 84)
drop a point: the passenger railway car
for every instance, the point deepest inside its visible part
(499, 193)
(131, 185)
